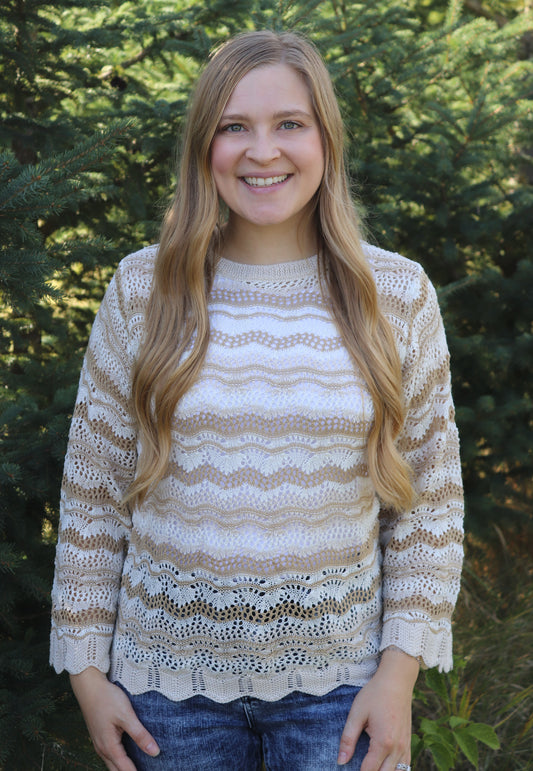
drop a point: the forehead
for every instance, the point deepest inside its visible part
(276, 85)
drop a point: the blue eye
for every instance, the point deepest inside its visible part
(290, 124)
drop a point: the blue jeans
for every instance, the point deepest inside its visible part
(297, 733)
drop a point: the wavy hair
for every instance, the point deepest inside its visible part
(177, 325)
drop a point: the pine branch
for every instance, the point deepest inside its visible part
(477, 8)
(28, 193)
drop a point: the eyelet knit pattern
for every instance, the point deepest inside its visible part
(263, 562)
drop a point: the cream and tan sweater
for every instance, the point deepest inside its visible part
(261, 563)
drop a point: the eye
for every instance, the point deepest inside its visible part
(290, 124)
(232, 128)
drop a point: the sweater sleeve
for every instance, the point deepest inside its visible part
(422, 547)
(94, 523)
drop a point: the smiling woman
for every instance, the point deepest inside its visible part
(267, 161)
(261, 514)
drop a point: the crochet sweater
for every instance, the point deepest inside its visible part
(262, 563)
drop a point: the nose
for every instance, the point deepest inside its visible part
(262, 148)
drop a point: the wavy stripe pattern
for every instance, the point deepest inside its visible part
(263, 561)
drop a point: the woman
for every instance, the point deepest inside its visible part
(260, 533)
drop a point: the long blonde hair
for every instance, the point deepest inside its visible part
(177, 324)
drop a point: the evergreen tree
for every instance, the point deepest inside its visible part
(439, 118)
(435, 96)
(36, 394)
(66, 71)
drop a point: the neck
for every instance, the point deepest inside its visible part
(267, 245)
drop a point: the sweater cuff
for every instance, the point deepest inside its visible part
(76, 650)
(429, 642)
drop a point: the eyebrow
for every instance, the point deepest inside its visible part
(289, 113)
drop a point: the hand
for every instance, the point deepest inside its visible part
(108, 714)
(383, 709)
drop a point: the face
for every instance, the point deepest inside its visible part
(267, 157)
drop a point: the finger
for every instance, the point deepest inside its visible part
(353, 728)
(141, 736)
(377, 758)
(113, 753)
(385, 753)
(113, 767)
(126, 766)
(119, 763)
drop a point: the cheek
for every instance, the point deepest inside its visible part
(316, 161)
(221, 158)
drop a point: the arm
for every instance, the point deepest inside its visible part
(422, 547)
(94, 523)
(94, 531)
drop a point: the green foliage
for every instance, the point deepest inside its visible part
(439, 121)
(436, 95)
(39, 368)
(493, 630)
(453, 733)
(38, 376)
(488, 698)
(32, 194)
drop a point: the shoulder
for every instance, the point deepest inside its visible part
(135, 272)
(395, 276)
(122, 311)
(129, 289)
(405, 294)
(402, 284)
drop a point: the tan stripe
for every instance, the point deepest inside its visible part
(442, 496)
(247, 612)
(353, 564)
(299, 314)
(134, 303)
(327, 380)
(101, 379)
(83, 618)
(352, 443)
(394, 306)
(103, 429)
(424, 537)
(279, 426)
(435, 610)
(241, 379)
(96, 496)
(96, 542)
(406, 443)
(344, 373)
(120, 295)
(433, 381)
(254, 478)
(250, 566)
(95, 577)
(307, 298)
(275, 342)
(319, 517)
(345, 643)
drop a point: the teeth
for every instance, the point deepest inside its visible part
(264, 181)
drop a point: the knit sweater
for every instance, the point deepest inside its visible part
(262, 563)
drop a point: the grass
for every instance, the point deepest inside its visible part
(493, 633)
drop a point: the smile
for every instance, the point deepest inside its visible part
(265, 181)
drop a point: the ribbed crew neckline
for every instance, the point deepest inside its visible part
(279, 271)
